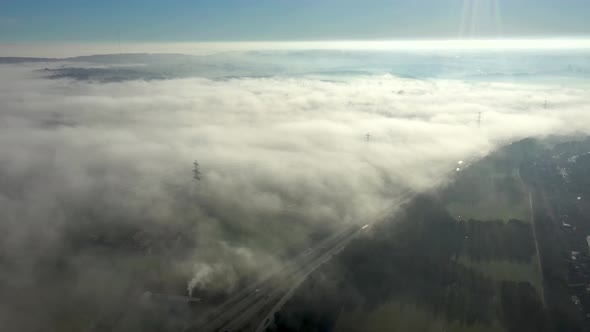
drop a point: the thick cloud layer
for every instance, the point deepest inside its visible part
(96, 178)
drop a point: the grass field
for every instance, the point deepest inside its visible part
(502, 270)
(395, 316)
(488, 209)
(494, 190)
(487, 191)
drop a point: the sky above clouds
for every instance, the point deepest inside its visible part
(238, 20)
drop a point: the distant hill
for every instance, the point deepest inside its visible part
(106, 58)
(4, 60)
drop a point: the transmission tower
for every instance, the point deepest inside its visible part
(197, 171)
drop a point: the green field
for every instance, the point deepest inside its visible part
(396, 316)
(493, 190)
(490, 189)
(491, 194)
(502, 270)
(488, 210)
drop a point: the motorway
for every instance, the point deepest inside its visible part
(252, 309)
(259, 301)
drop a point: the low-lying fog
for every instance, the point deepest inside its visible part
(97, 198)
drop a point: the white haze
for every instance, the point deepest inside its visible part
(63, 50)
(280, 157)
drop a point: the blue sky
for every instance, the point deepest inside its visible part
(239, 20)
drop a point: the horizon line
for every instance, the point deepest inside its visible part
(72, 49)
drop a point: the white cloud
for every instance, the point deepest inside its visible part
(279, 156)
(65, 50)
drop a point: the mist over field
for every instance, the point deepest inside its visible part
(98, 204)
